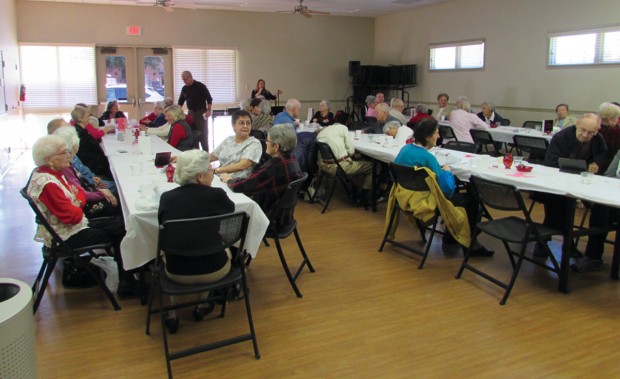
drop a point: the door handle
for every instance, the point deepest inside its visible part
(140, 102)
(133, 102)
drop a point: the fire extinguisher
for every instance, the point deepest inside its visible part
(22, 93)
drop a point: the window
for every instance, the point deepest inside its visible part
(457, 56)
(586, 47)
(58, 76)
(216, 68)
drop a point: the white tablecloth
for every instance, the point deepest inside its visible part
(504, 133)
(140, 243)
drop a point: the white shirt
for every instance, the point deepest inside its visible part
(339, 139)
(403, 134)
(461, 122)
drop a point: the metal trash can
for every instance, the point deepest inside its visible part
(17, 334)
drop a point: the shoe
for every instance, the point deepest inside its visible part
(587, 264)
(481, 251)
(172, 324)
(539, 251)
(201, 312)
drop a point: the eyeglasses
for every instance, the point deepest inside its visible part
(246, 123)
(587, 132)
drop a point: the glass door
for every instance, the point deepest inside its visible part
(136, 77)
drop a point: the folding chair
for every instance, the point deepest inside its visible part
(506, 122)
(510, 229)
(195, 237)
(536, 147)
(340, 175)
(483, 139)
(532, 124)
(61, 249)
(283, 224)
(413, 179)
(466, 147)
(446, 132)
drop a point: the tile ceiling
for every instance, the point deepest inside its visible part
(358, 8)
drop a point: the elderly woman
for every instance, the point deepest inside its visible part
(371, 102)
(156, 118)
(237, 154)
(417, 155)
(194, 198)
(488, 114)
(397, 106)
(62, 204)
(323, 116)
(261, 114)
(181, 135)
(420, 113)
(401, 133)
(90, 152)
(99, 202)
(267, 182)
(111, 111)
(564, 119)
(444, 109)
(609, 114)
(261, 91)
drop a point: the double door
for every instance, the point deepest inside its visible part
(136, 77)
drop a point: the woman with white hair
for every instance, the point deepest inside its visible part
(420, 112)
(90, 152)
(323, 116)
(488, 114)
(401, 133)
(194, 198)
(609, 114)
(181, 135)
(371, 102)
(267, 182)
(100, 202)
(62, 203)
(156, 118)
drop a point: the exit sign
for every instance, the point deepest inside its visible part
(134, 30)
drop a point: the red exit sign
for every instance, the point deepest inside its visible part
(134, 30)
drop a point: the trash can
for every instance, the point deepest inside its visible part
(17, 334)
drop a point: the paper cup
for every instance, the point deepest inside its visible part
(136, 169)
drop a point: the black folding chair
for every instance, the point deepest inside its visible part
(466, 147)
(446, 132)
(483, 139)
(196, 237)
(505, 122)
(536, 147)
(413, 179)
(510, 229)
(60, 249)
(283, 224)
(532, 124)
(340, 175)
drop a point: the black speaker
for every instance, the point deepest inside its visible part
(353, 67)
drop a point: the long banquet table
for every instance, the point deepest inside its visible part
(140, 243)
(504, 134)
(602, 190)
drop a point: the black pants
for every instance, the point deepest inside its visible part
(600, 215)
(102, 230)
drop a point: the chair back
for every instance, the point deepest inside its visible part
(481, 137)
(258, 134)
(505, 122)
(466, 147)
(40, 219)
(409, 177)
(446, 132)
(529, 143)
(283, 214)
(202, 236)
(500, 196)
(532, 124)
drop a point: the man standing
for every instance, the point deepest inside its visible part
(289, 114)
(199, 103)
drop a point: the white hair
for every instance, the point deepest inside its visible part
(390, 125)
(189, 164)
(45, 147)
(70, 136)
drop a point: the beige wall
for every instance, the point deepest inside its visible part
(8, 45)
(515, 74)
(307, 58)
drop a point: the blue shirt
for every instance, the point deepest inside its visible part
(89, 176)
(284, 118)
(415, 155)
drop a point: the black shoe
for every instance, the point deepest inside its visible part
(172, 324)
(481, 251)
(539, 251)
(201, 312)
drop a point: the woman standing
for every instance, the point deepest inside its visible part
(260, 90)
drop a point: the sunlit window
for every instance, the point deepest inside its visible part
(457, 56)
(58, 76)
(591, 47)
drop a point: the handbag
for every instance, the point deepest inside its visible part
(75, 275)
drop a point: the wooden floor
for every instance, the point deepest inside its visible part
(364, 314)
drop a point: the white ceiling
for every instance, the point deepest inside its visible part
(359, 8)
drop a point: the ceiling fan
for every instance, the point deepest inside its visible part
(303, 10)
(169, 5)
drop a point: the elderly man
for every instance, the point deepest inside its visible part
(383, 114)
(396, 111)
(289, 114)
(339, 139)
(401, 133)
(462, 120)
(575, 142)
(199, 102)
